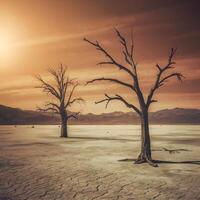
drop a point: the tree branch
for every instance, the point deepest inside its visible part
(47, 87)
(159, 80)
(112, 80)
(111, 61)
(128, 54)
(61, 80)
(57, 77)
(70, 95)
(75, 115)
(75, 100)
(179, 76)
(119, 98)
(50, 107)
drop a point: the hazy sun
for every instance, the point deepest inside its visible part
(6, 47)
(10, 40)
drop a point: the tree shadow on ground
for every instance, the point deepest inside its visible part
(29, 144)
(171, 151)
(71, 138)
(103, 138)
(6, 133)
(194, 162)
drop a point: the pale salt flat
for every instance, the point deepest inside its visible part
(96, 162)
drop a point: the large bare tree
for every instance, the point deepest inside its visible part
(130, 68)
(62, 90)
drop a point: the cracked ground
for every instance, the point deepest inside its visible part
(96, 163)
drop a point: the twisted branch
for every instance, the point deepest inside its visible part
(159, 80)
(128, 54)
(50, 107)
(119, 98)
(111, 61)
(69, 102)
(47, 88)
(112, 80)
(75, 100)
(75, 115)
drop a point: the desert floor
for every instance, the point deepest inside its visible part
(96, 162)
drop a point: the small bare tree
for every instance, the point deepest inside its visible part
(131, 69)
(62, 91)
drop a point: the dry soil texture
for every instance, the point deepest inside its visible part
(96, 162)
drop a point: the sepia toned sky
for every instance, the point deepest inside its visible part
(36, 35)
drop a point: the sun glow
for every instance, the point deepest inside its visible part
(10, 36)
(6, 47)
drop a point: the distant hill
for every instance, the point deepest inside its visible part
(10, 115)
(167, 116)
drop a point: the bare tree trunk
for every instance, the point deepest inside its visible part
(146, 143)
(145, 154)
(64, 132)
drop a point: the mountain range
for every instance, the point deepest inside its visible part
(16, 116)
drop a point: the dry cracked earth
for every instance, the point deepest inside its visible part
(96, 163)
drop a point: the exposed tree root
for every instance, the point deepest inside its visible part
(141, 159)
(152, 163)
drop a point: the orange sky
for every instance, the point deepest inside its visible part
(35, 35)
